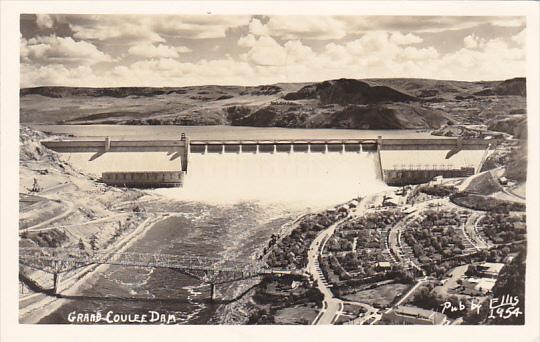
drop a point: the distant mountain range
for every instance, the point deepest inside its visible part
(343, 103)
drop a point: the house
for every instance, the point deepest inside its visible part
(520, 227)
(407, 209)
(490, 269)
(391, 201)
(383, 266)
(437, 180)
(406, 314)
(480, 286)
(508, 259)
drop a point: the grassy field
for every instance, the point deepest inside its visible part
(296, 315)
(382, 295)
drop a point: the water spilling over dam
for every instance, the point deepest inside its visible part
(303, 178)
(312, 179)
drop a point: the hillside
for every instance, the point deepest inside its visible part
(343, 103)
(515, 86)
(348, 91)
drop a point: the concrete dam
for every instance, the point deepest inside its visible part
(405, 171)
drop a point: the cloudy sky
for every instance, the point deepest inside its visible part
(167, 50)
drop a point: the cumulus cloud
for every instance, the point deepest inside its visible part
(109, 27)
(421, 24)
(57, 74)
(148, 50)
(509, 22)
(268, 49)
(256, 27)
(471, 41)
(405, 39)
(44, 21)
(170, 72)
(61, 50)
(339, 27)
(197, 27)
(520, 38)
(263, 50)
(296, 27)
(151, 28)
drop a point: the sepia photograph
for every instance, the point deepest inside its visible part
(350, 169)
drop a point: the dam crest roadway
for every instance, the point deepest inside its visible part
(182, 147)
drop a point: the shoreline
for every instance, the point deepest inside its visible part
(223, 314)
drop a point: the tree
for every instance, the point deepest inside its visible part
(511, 282)
(427, 299)
(405, 276)
(93, 242)
(81, 245)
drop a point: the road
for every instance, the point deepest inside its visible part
(471, 232)
(411, 291)
(102, 219)
(332, 306)
(69, 209)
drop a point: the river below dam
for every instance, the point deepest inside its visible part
(229, 206)
(235, 231)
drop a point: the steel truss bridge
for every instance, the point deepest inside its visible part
(212, 271)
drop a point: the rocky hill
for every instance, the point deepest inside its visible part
(348, 91)
(342, 103)
(375, 116)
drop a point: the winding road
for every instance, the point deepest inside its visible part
(332, 306)
(69, 207)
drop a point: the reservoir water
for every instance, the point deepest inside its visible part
(229, 206)
(224, 132)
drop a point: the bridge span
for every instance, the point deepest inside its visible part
(212, 271)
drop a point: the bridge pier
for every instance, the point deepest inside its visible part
(184, 153)
(379, 160)
(308, 148)
(342, 148)
(325, 148)
(56, 279)
(274, 150)
(239, 148)
(212, 292)
(291, 150)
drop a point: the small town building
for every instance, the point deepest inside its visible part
(490, 269)
(478, 286)
(144, 179)
(383, 266)
(391, 200)
(421, 174)
(437, 180)
(406, 314)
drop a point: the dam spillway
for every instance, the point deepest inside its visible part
(325, 145)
